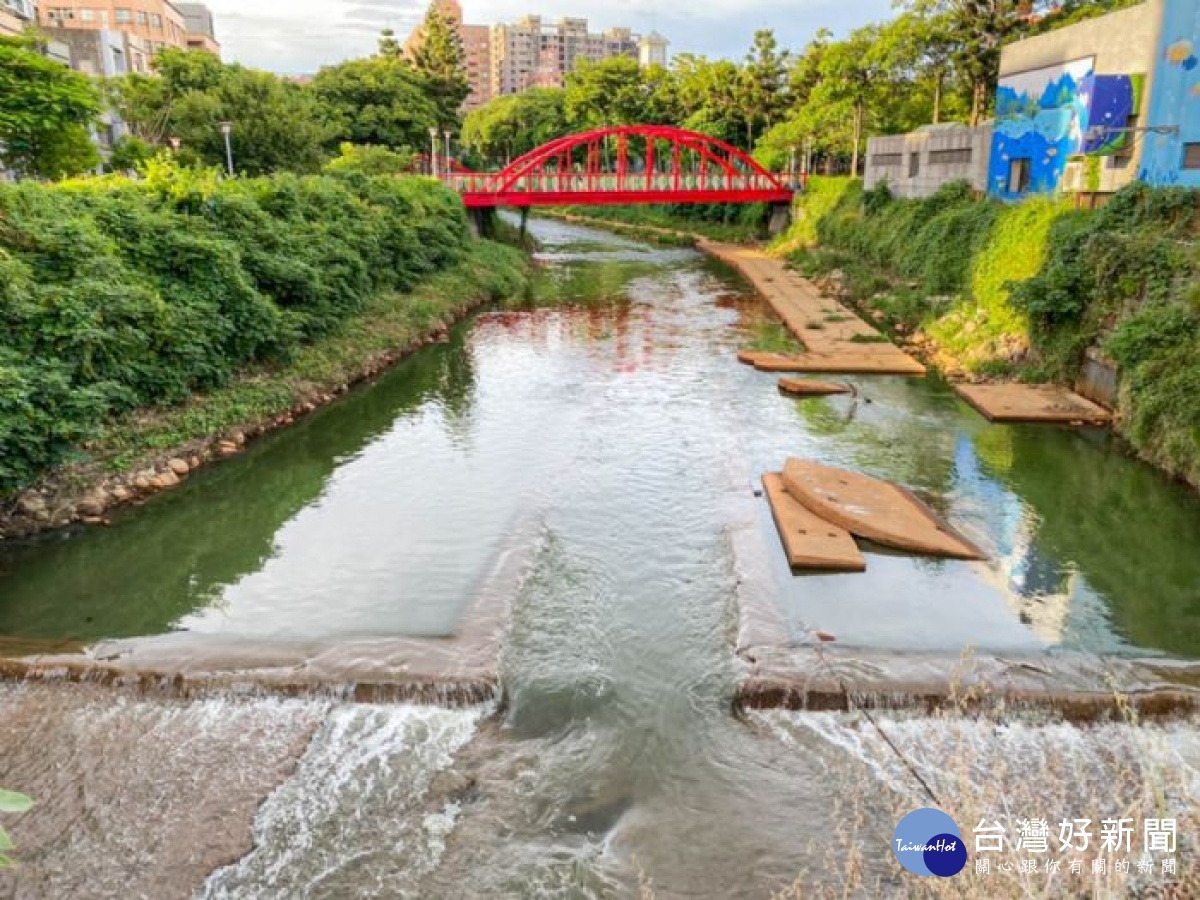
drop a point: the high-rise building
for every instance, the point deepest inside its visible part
(652, 50)
(16, 15)
(509, 58)
(158, 23)
(533, 53)
(201, 30)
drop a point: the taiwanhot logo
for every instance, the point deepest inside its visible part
(927, 842)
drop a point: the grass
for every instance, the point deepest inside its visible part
(389, 324)
(773, 337)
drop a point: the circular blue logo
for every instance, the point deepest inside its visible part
(927, 842)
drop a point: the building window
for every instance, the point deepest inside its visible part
(914, 165)
(1191, 156)
(950, 157)
(156, 20)
(87, 15)
(142, 18)
(124, 17)
(1018, 176)
(886, 160)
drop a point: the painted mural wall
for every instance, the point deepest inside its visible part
(1175, 98)
(1113, 101)
(1041, 117)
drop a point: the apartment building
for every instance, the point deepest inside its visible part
(535, 53)
(157, 23)
(510, 58)
(15, 15)
(201, 29)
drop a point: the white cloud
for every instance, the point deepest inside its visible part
(296, 36)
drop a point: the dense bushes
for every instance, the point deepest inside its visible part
(116, 295)
(1027, 288)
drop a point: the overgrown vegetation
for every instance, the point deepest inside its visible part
(388, 323)
(116, 295)
(1026, 289)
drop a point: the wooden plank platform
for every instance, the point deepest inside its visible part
(803, 387)
(1046, 403)
(874, 509)
(864, 360)
(836, 339)
(808, 540)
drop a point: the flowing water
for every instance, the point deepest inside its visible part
(607, 430)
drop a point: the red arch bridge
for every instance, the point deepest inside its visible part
(625, 165)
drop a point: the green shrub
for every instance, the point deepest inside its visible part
(116, 295)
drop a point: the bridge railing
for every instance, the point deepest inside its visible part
(584, 182)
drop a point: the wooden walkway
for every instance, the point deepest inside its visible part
(836, 339)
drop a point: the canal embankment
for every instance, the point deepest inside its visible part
(1103, 300)
(156, 327)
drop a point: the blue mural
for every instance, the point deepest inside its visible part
(1175, 100)
(1115, 100)
(1041, 117)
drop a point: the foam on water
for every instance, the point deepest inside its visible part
(348, 822)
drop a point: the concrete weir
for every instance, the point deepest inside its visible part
(458, 670)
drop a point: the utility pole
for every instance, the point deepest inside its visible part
(433, 147)
(227, 130)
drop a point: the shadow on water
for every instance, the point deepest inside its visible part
(176, 554)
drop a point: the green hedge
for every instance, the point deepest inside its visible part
(1027, 288)
(117, 294)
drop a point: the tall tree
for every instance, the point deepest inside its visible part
(613, 91)
(388, 45)
(977, 30)
(46, 111)
(439, 59)
(763, 85)
(276, 124)
(380, 100)
(512, 125)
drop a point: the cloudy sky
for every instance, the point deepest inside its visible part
(299, 36)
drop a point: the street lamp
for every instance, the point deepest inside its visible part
(227, 130)
(446, 135)
(433, 159)
(792, 166)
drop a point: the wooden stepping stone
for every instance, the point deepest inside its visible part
(799, 387)
(808, 540)
(1032, 403)
(874, 509)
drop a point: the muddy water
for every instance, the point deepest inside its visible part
(608, 427)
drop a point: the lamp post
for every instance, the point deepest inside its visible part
(446, 135)
(433, 157)
(175, 143)
(227, 130)
(792, 166)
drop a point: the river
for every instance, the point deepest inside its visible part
(607, 431)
